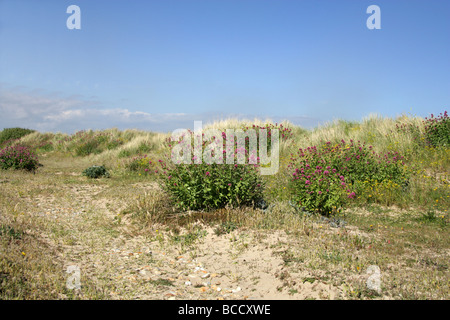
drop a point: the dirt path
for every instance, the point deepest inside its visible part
(195, 264)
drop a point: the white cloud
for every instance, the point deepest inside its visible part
(51, 112)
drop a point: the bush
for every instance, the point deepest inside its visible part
(13, 134)
(317, 186)
(210, 186)
(202, 186)
(435, 133)
(323, 179)
(18, 157)
(95, 172)
(437, 130)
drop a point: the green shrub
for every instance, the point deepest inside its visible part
(202, 186)
(209, 186)
(95, 172)
(435, 133)
(316, 185)
(437, 130)
(13, 134)
(18, 157)
(324, 178)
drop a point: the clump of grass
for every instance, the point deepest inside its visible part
(8, 231)
(189, 238)
(162, 282)
(149, 208)
(225, 227)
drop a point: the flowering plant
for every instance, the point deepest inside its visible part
(198, 185)
(208, 186)
(325, 178)
(18, 157)
(437, 130)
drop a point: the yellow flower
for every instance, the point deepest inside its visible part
(23, 253)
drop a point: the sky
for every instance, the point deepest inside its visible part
(160, 65)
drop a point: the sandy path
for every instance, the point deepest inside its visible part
(243, 264)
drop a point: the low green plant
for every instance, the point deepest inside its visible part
(189, 238)
(96, 172)
(7, 231)
(225, 227)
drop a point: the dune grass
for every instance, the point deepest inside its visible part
(403, 231)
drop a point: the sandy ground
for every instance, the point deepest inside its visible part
(242, 264)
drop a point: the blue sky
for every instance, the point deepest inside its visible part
(160, 65)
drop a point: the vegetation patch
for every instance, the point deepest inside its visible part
(18, 157)
(96, 172)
